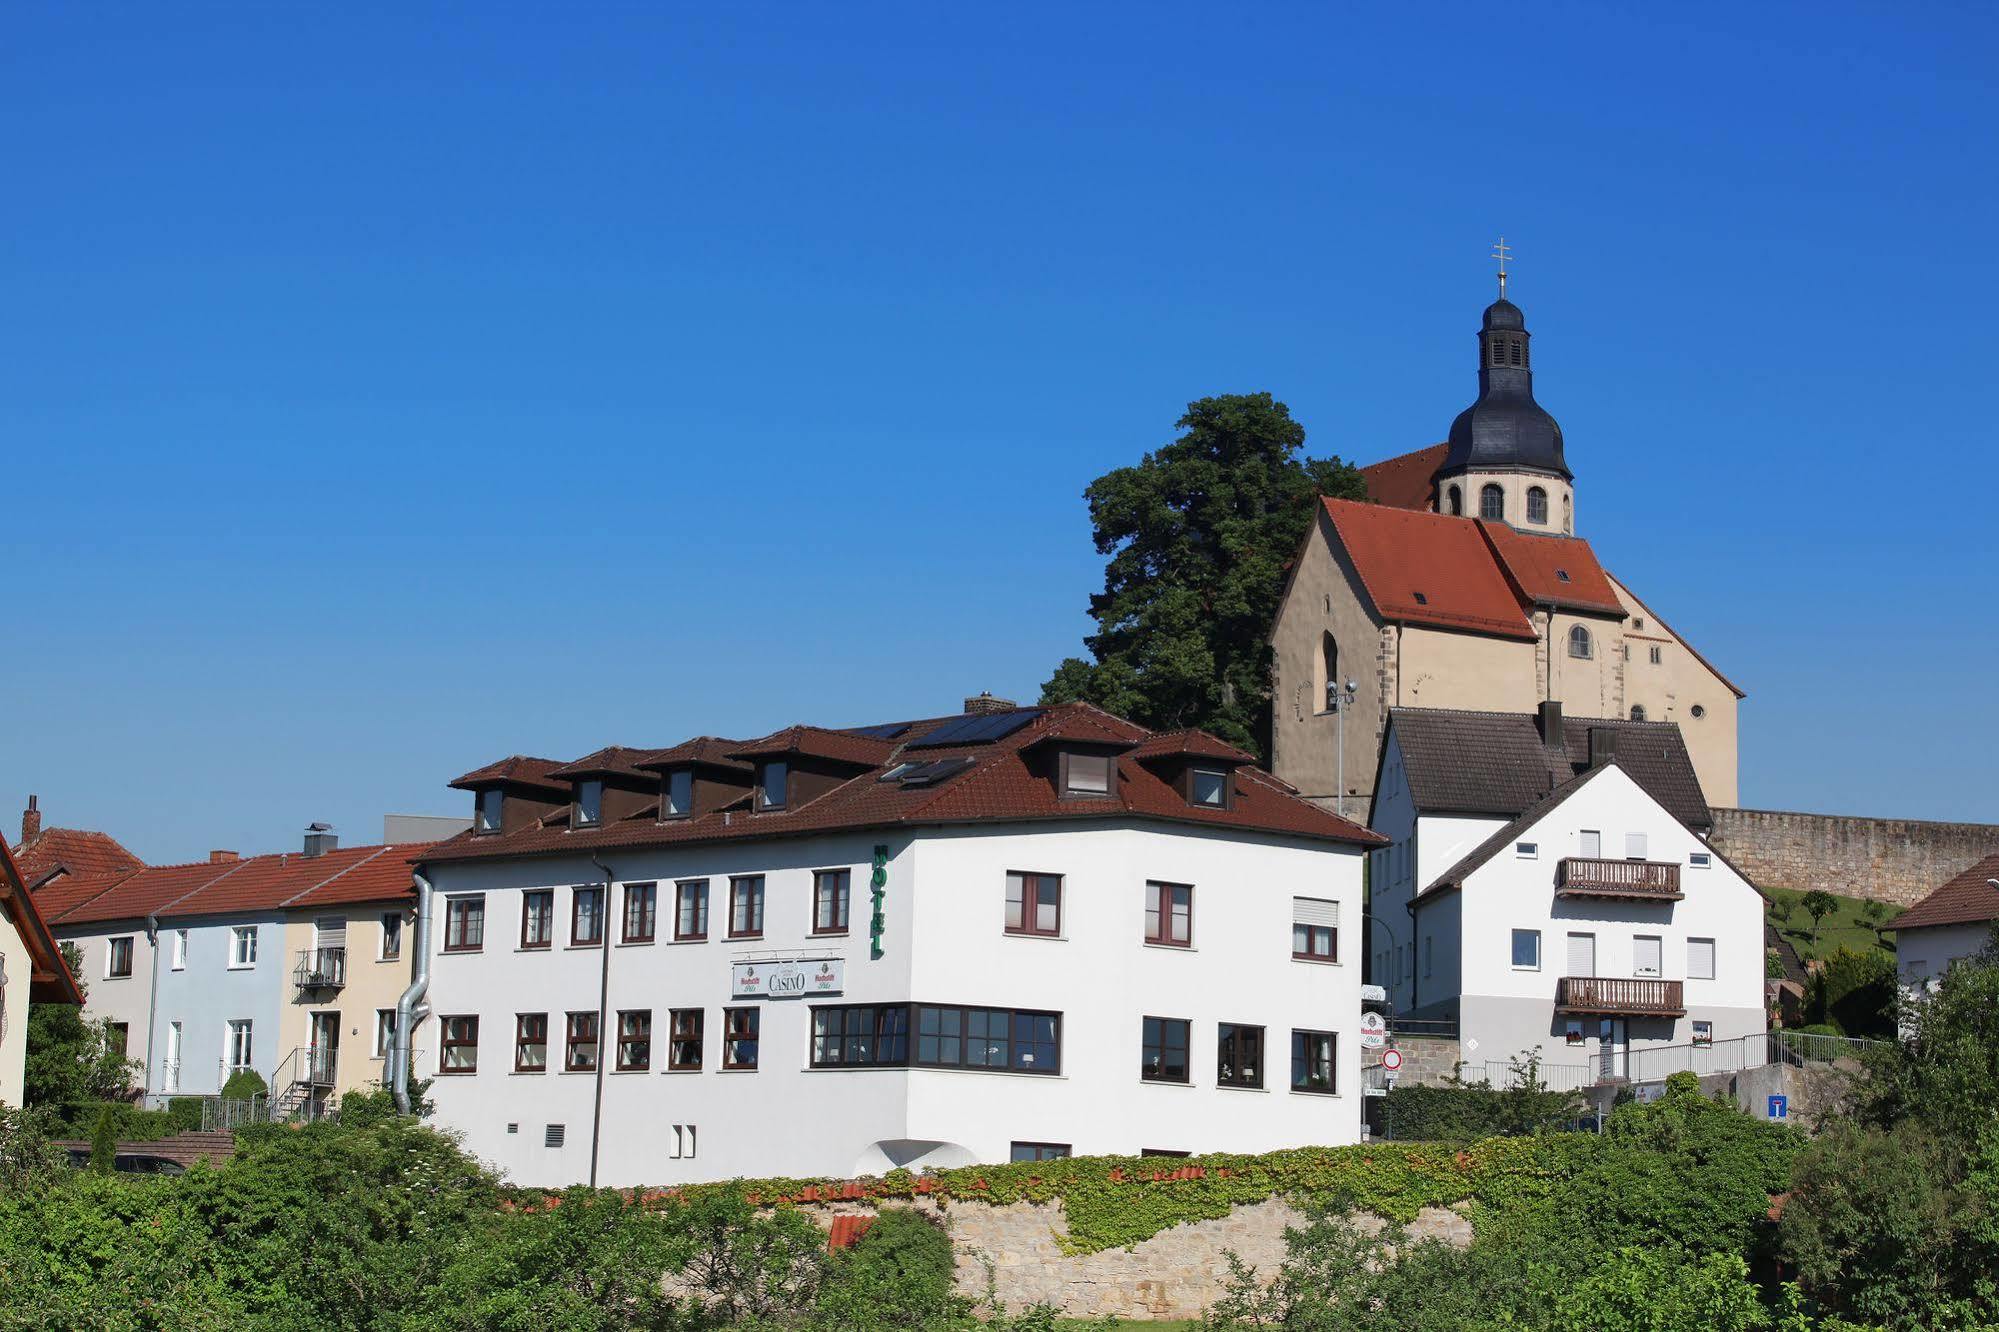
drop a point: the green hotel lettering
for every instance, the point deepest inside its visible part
(879, 884)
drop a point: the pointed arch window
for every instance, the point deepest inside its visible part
(1455, 498)
(1329, 671)
(1580, 643)
(1492, 503)
(1537, 506)
(1638, 712)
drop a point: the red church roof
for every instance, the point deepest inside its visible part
(1427, 568)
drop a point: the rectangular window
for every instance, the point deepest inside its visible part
(1033, 903)
(1238, 1056)
(240, 1048)
(538, 918)
(385, 1032)
(1699, 859)
(243, 946)
(746, 906)
(464, 924)
(741, 1028)
(180, 950)
(1655, 655)
(679, 793)
(458, 1045)
(1163, 1050)
(1572, 1032)
(641, 912)
(634, 1040)
(1087, 774)
(830, 901)
(530, 1042)
(684, 1052)
(690, 909)
(1526, 850)
(392, 936)
(1634, 846)
(1700, 959)
(1039, 1151)
(1647, 954)
(1001, 1038)
(487, 807)
(1703, 1033)
(1312, 1062)
(586, 916)
(1582, 955)
(589, 804)
(1526, 950)
(1315, 929)
(1592, 844)
(118, 962)
(1169, 914)
(772, 780)
(579, 1047)
(1210, 787)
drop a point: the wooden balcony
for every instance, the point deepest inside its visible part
(1638, 880)
(1621, 996)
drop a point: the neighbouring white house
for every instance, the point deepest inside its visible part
(1013, 933)
(32, 971)
(1548, 889)
(1951, 924)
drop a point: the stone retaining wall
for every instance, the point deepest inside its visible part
(1900, 861)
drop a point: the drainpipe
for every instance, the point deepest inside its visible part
(603, 1002)
(153, 1005)
(407, 1014)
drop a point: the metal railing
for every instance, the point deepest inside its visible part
(1738, 1054)
(1632, 995)
(320, 969)
(1649, 879)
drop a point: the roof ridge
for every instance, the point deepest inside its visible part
(314, 887)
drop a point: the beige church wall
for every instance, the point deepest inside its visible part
(1322, 596)
(13, 1010)
(1590, 686)
(372, 983)
(1516, 485)
(1670, 690)
(1442, 669)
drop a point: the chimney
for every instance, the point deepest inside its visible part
(1602, 746)
(985, 703)
(31, 821)
(320, 838)
(1551, 726)
(222, 857)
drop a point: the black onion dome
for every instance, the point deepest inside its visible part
(1505, 428)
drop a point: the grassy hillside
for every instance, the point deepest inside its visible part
(1852, 924)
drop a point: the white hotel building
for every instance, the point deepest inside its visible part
(1001, 935)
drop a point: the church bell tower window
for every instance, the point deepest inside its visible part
(1537, 506)
(1492, 503)
(1455, 498)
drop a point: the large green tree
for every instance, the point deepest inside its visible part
(1197, 535)
(70, 1059)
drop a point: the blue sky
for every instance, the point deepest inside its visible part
(385, 391)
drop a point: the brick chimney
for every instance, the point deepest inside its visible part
(31, 821)
(985, 703)
(222, 857)
(1551, 726)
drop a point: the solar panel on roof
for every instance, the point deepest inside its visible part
(976, 729)
(886, 731)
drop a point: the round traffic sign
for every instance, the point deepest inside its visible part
(1391, 1060)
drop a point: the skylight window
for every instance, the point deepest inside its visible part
(1422, 600)
(1562, 574)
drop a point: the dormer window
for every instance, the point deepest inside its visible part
(677, 801)
(1086, 774)
(589, 804)
(772, 779)
(1209, 787)
(487, 810)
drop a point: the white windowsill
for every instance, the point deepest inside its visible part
(1170, 948)
(1318, 961)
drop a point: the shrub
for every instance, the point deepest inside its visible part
(129, 1123)
(1461, 1111)
(26, 1153)
(1855, 993)
(103, 1143)
(244, 1084)
(899, 1273)
(185, 1112)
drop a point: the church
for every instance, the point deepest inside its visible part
(1463, 583)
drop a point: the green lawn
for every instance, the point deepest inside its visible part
(1851, 925)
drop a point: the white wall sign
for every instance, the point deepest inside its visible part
(787, 980)
(1373, 1031)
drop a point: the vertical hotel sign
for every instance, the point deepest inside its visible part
(878, 889)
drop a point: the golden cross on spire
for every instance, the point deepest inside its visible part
(1502, 252)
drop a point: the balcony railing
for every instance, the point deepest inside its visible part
(1628, 996)
(1645, 880)
(321, 969)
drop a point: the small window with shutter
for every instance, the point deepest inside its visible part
(1700, 959)
(1646, 954)
(1315, 929)
(1634, 846)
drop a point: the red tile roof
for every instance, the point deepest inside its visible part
(256, 883)
(1552, 570)
(517, 770)
(1407, 481)
(610, 761)
(998, 786)
(1428, 568)
(49, 980)
(703, 750)
(1193, 744)
(71, 851)
(1967, 899)
(816, 742)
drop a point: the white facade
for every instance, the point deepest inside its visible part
(944, 942)
(1925, 952)
(1494, 952)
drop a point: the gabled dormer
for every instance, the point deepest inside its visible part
(797, 765)
(696, 777)
(607, 786)
(513, 794)
(1201, 768)
(1078, 757)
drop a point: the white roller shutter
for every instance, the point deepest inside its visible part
(1647, 954)
(1582, 955)
(1315, 911)
(1700, 959)
(331, 931)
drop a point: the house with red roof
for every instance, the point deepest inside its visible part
(1462, 582)
(1953, 923)
(47, 854)
(1004, 934)
(32, 971)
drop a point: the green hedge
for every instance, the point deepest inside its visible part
(129, 1123)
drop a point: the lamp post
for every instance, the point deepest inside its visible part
(1339, 697)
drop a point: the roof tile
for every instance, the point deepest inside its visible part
(1966, 899)
(1428, 568)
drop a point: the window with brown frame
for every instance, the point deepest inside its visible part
(641, 912)
(1163, 1049)
(1312, 1062)
(486, 808)
(683, 1053)
(530, 1042)
(1238, 1055)
(773, 779)
(690, 910)
(586, 916)
(465, 924)
(1209, 787)
(1087, 774)
(634, 1040)
(746, 906)
(120, 961)
(742, 1031)
(458, 1044)
(1039, 1151)
(1033, 903)
(538, 918)
(1315, 929)
(831, 901)
(1169, 914)
(579, 1051)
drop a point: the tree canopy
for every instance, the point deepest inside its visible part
(1198, 534)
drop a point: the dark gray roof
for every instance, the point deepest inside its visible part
(1494, 763)
(1505, 428)
(1787, 954)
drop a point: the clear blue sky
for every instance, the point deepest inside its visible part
(386, 391)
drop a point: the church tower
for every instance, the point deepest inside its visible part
(1505, 452)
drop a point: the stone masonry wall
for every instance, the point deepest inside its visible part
(1900, 861)
(1427, 1061)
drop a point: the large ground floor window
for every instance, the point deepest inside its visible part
(947, 1036)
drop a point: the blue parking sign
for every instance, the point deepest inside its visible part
(1780, 1107)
